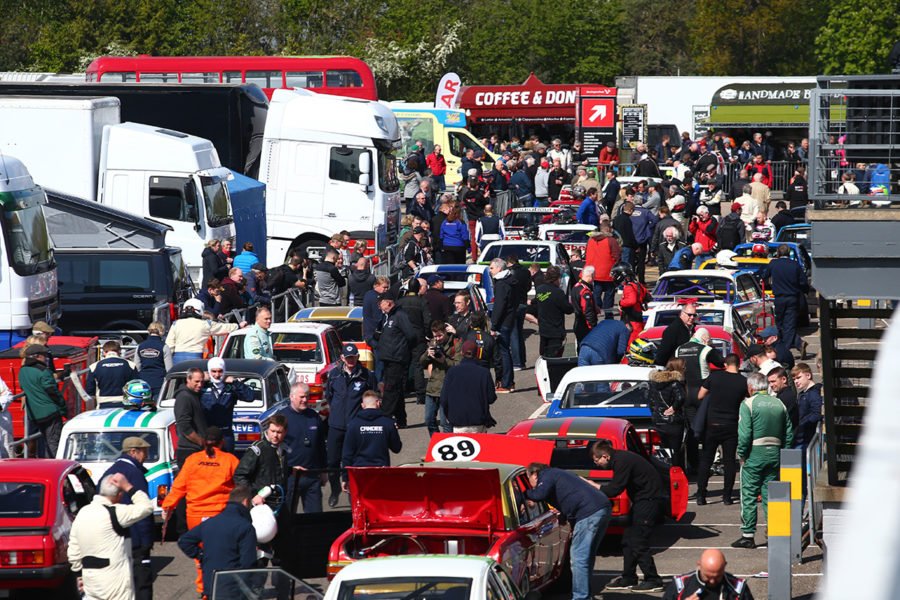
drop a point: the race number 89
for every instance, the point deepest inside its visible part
(456, 449)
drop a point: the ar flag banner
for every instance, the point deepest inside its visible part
(447, 91)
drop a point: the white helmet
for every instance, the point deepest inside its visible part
(725, 258)
(264, 523)
(194, 304)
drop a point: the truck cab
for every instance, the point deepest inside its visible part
(328, 165)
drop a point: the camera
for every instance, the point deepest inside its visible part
(438, 351)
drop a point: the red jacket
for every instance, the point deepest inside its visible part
(754, 168)
(633, 297)
(704, 232)
(602, 252)
(607, 156)
(436, 163)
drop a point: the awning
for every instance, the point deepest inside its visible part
(532, 102)
(764, 105)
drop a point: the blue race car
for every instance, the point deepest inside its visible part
(619, 391)
(798, 233)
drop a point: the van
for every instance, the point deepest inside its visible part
(446, 128)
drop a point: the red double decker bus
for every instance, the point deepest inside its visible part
(337, 75)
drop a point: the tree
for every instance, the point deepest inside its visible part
(857, 37)
(660, 45)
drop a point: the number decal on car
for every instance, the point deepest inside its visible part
(456, 449)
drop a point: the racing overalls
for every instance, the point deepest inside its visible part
(634, 297)
(764, 428)
(685, 586)
(582, 298)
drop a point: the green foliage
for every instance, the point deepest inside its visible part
(858, 36)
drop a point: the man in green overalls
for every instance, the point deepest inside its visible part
(764, 428)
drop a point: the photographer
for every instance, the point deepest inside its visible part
(467, 394)
(441, 354)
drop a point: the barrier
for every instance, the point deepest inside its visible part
(779, 540)
(792, 472)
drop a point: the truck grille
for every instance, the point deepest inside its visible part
(44, 310)
(393, 226)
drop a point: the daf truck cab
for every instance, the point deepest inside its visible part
(77, 146)
(328, 164)
(28, 288)
(445, 128)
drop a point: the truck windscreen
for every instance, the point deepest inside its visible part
(218, 206)
(25, 231)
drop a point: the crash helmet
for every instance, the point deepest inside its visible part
(621, 273)
(137, 394)
(578, 192)
(642, 351)
(760, 250)
(192, 306)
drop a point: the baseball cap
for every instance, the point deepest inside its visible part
(350, 350)
(469, 347)
(756, 350)
(418, 230)
(768, 331)
(134, 442)
(259, 267)
(385, 296)
(35, 349)
(43, 327)
(433, 279)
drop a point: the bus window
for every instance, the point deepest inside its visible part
(119, 77)
(232, 77)
(199, 78)
(264, 79)
(342, 78)
(159, 77)
(303, 79)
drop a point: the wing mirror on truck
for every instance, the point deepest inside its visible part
(365, 170)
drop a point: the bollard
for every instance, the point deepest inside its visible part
(779, 531)
(792, 472)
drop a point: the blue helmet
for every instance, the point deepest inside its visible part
(137, 394)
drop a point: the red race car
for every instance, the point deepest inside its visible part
(453, 508)
(564, 443)
(720, 339)
(38, 502)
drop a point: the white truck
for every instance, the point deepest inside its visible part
(28, 284)
(328, 166)
(78, 146)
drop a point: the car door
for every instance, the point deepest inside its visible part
(234, 345)
(540, 525)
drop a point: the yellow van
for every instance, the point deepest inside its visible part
(446, 128)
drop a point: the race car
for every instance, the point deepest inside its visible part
(745, 253)
(572, 236)
(739, 289)
(517, 219)
(726, 342)
(542, 253)
(798, 233)
(604, 391)
(347, 320)
(715, 313)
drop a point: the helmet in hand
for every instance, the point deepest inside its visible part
(621, 273)
(137, 394)
(642, 351)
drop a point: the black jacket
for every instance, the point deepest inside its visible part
(731, 232)
(228, 542)
(360, 282)
(674, 335)
(664, 256)
(781, 219)
(787, 277)
(633, 473)
(344, 391)
(505, 300)
(572, 496)
(439, 305)
(669, 392)
(262, 464)
(214, 266)
(282, 278)
(523, 282)
(396, 337)
(622, 224)
(142, 532)
(685, 586)
(582, 299)
(467, 395)
(189, 417)
(371, 437)
(416, 308)
(485, 343)
(550, 306)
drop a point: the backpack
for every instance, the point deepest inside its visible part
(729, 233)
(881, 176)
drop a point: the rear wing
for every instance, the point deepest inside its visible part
(549, 373)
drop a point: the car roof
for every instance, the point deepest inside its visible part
(534, 209)
(566, 227)
(232, 366)
(720, 273)
(428, 565)
(573, 427)
(605, 372)
(521, 243)
(34, 469)
(121, 418)
(476, 268)
(328, 313)
(715, 331)
(797, 226)
(717, 304)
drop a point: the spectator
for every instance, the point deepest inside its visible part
(797, 193)
(757, 356)
(258, 341)
(709, 579)
(305, 446)
(503, 319)
(521, 288)
(582, 299)
(396, 337)
(809, 403)
(608, 155)
(264, 464)
(634, 297)
(603, 252)
(489, 228)
(676, 333)
(782, 218)
(761, 148)
(329, 280)
(344, 389)
(586, 508)
(781, 389)
(667, 407)
(459, 321)
(416, 308)
(255, 285)
(439, 305)
(214, 265)
(454, 236)
(190, 418)
(130, 465)
(152, 358)
(690, 257)
(698, 357)
(467, 394)
(542, 184)
(211, 297)
(521, 184)
(762, 229)
(420, 206)
(759, 189)
(731, 230)
(360, 249)
(643, 222)
(410, 177)
(442, 354)
(360, 280)
(98, 548)
(668, 248)
(703, 228)
(610, 190)
(606, 343)
(557, 178)
(246, 259)
(371, 437)
(588, 211)
(446, 204)
(289, 275)
(413, 256)
(737, 186)
(107, 377)
(711, 198)
(474, 197)
(6, 425)
(623, 226)
(372, 314)
(722, 392)
(548, 310)
(438, 166)
(750, 206)
(225, 542)
(226, 255)
(231, 293)
(188, 335)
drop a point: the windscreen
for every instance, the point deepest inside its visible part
(707, 317)
(607, 394)
(572, 237)
(524, 252)
(218, 203)
(420, 588)
(350, 331)
(21, 500)
(28, 246)
(106, 446)
(709, 287)
(297, 347)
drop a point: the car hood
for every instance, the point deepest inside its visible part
(404, 497)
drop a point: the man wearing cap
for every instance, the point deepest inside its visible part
(258, 341)
(756, 355)
(413, 254)
(130, 464)
(769, 337)
(107, 377)
(542, 184)
(256, 284)
(468, 393)
(439, 304)
(42, 329)
(45, 405)
(344, 390)
(218, 396)
(396, 337)
(305, 445)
